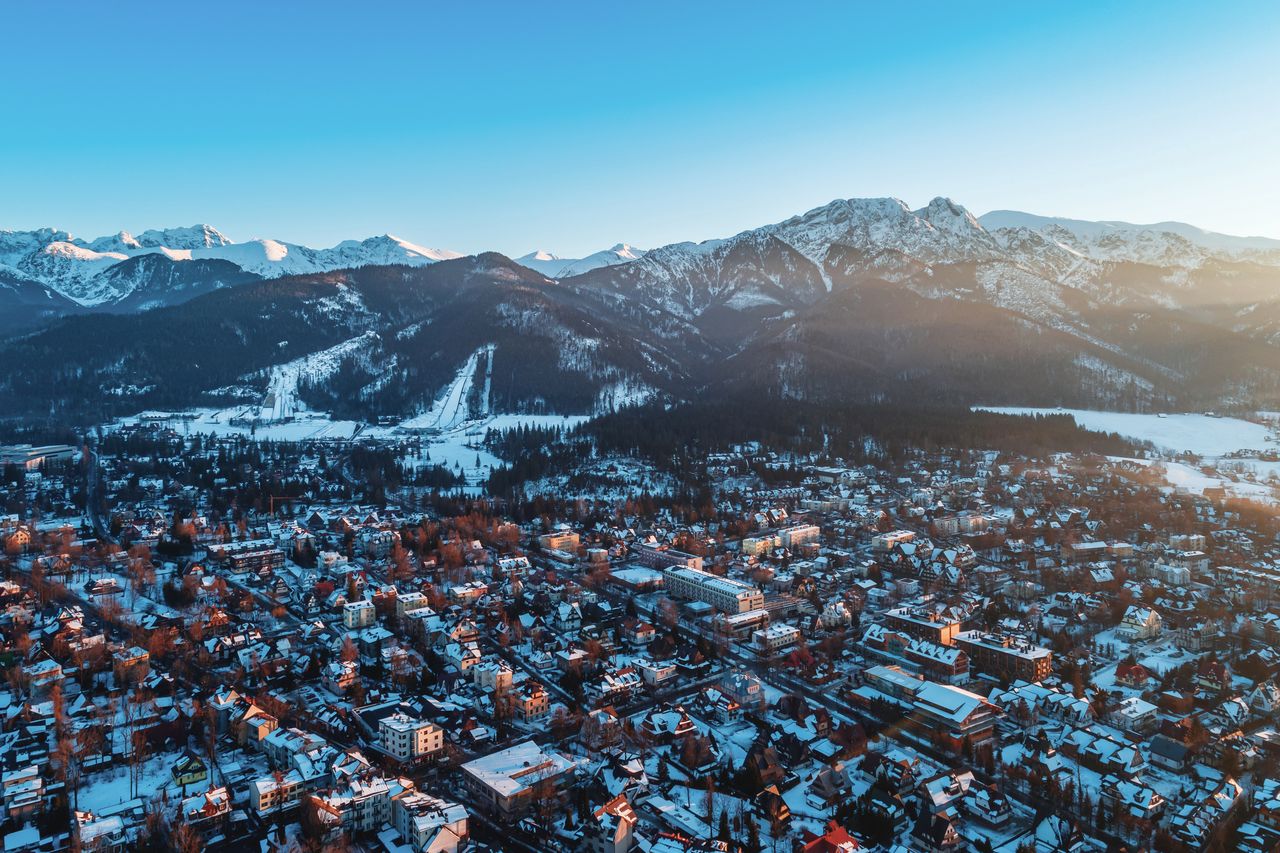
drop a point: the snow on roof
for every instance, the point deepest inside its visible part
(516, 768)
(948, 702)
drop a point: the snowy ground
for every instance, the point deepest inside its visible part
(1229, 448)
(1185, 478)
(449, 433)
(461, 448)
(1175, 433)
(111, 787)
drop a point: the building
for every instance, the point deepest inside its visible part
(429, 824)
(508, 782)
(248, 555)
(958, 720)
(408, 602)
(801, 534)
(359, 614)
(407, 739)
(658, 557)
(1006, 657)
(23, 793)
(559, 540)
(362, 804)
(883, 543)
(531, 702)
(268, 794)
(775, 638)
(755, 546)
(611, 828)
(1140, 623)
(923, 624)
(724, 594)
(740, 625)
(32, 457)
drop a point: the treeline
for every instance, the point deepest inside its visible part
(895, 431)
(678, 439)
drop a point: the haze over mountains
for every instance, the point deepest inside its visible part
(857, 299)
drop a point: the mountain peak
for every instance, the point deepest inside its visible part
(539, 255)
(945, 214)
(190, 237)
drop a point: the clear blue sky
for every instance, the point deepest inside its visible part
(571, 126)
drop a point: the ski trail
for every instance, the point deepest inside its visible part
(485, 409)
(450, 409)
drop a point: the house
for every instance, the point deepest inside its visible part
(665, 723)
(1169, 753)
(1140, 801)
(1135, 715)
(567, 617)
(835, 839)
(1140, 623)
(429, 824)
(611, 828)
(531, 702)
(987, 804)
(1133, 675)
(189, 769)
(1212, 676)
(638, 634)
(934, 832)
(601, 728)
(1207, 809)
(206, 810)
(100, 834)
(1056, 834)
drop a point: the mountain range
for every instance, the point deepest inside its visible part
(859, 299)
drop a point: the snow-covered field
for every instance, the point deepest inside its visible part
(1175, 433)
(458, 448)
(1215, 440)
(1185, 478)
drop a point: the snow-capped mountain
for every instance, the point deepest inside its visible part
(796, 303)
(858, 298)
(1017, 257)
(1162, 243)
(554, 266)
(85, 271)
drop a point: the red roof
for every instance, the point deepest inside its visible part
(835, 840)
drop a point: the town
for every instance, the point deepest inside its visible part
(216, 644)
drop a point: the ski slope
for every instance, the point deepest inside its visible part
(450, 409)
(280, 403)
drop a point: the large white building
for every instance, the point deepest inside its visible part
(405, 738)
(506, 782)
(725, 594)
(775, 638)
(358, 614)
(801, 534)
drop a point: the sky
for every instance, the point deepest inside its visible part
(571, 126)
